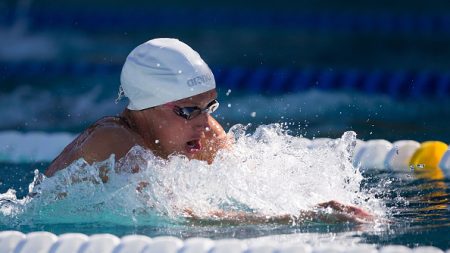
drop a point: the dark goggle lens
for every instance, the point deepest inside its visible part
(192, 112)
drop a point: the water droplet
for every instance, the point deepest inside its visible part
(229, 105)
(228, 92)
(180, 71)
(253, 114)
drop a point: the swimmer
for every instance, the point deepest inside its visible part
(171, 93)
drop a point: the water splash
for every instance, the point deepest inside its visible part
(268, 172)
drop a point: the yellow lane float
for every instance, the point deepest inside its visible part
(425, 161)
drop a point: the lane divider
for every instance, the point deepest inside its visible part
(45, 242)
(135, 19)
(268, 81)
(427, 160)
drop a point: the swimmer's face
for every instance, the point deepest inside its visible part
(168, 133)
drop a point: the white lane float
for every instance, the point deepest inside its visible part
(132, 243)
(99, 243)
(372, 154)
(9, 240)
(228, 246)
(164, 244)
(397, 159)
(445, 164)
(45, 242)
(37, 242)
(69, 243)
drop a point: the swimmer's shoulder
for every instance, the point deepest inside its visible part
(109, 135)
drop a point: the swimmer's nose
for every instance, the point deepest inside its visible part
(201, 122)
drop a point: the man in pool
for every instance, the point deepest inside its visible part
(171, 93)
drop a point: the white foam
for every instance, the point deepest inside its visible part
(268, 172)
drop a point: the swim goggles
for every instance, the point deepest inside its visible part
(189, 113)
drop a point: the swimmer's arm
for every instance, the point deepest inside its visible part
(328, 212)
(235, 218)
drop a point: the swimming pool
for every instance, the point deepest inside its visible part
(307, 172)
(56, 67)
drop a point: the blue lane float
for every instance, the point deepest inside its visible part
(398, 84)
(131, 19)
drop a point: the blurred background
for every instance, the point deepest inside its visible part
(380, 68)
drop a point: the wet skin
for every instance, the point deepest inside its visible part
(158, 129)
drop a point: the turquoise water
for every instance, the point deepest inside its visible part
(269, 171)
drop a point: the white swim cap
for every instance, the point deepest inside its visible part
(161, 71)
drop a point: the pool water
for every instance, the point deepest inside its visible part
(52, 89)
(269, 171)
